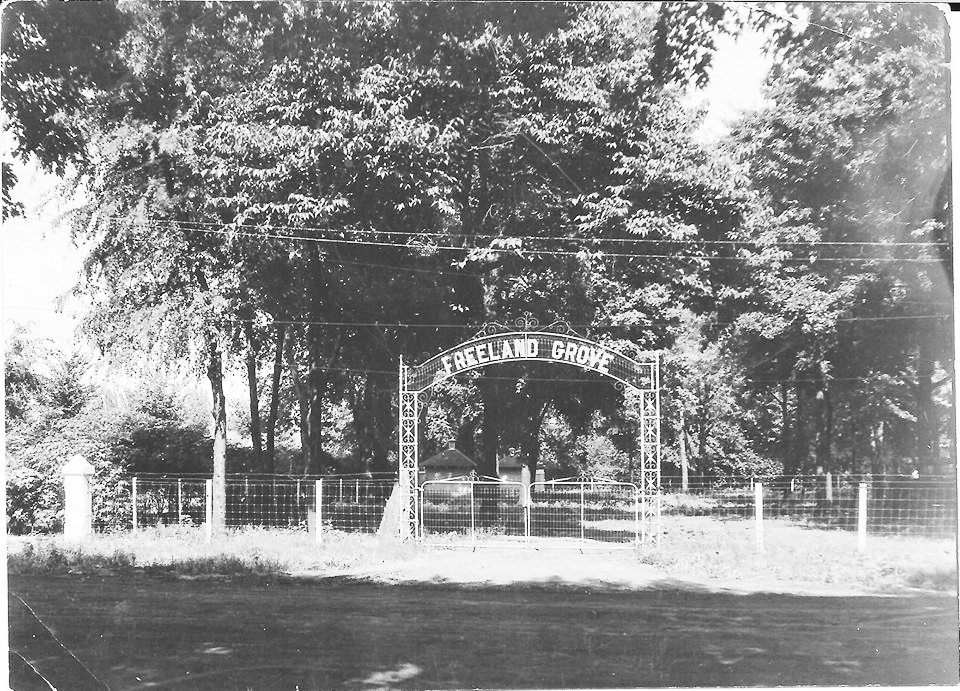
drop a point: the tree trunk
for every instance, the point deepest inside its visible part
(270, 460)
(798, 459)
(490, 435)
(927, 437)
(251, 358)
(785, 427)
(684, 472)
(704, 430)
(301, 392)
(219, 499)
(530, 441)
(314, 416)
(824, 441)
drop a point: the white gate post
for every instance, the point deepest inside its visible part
(758, 513)
(78, 500)
(829, 487)
(208, 508)
(179, 501)
(862, 517)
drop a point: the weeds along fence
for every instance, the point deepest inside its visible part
(887, 505)
(346, 503)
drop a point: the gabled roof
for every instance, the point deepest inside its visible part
(450, 458)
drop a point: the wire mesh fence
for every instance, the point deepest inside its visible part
(269, 503)
(596, 511)
(580, 511)
(167, 501)
(347, 503)
(925, 506)
(353, 504)
(476, 510)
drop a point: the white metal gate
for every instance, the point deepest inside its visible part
(490, 513)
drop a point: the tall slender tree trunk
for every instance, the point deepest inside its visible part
(315, 387)
(927, 441)
(684, 470)
(801, 449)
(303, 404)
(492, 422)
(270, 459)
(824, 419)
(704, 430)
(530, 441)
(251, 358)
(219, 499)
(785, 427)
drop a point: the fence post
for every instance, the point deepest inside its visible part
(637, 532)
(319, 509)
(862, 517)
(829, 487)
(581, 512)
(528, 501)
(758, 513)
(179, 501)
(77, 499)
(133, 501)
(473, 522)
(208, 508)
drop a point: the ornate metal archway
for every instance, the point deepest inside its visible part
(495, 344)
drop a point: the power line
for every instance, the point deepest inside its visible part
(565, 253)
(227, 228)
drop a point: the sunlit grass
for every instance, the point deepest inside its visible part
(697, 547)
(187, 551)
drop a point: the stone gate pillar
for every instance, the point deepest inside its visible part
(77, 499)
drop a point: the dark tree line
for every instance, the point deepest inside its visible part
(315, 190)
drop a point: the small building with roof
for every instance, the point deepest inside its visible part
(449, 463)
(511, 467)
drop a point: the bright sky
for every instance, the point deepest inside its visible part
(40, 264)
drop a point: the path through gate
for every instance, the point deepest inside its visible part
(638, 377)
(567, 513)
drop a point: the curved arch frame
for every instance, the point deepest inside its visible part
(641, 376)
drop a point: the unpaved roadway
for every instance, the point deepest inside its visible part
(141, 631)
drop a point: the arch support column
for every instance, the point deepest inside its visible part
(409, 413)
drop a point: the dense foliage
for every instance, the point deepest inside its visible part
(317, 189)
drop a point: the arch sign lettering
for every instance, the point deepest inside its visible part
(640, 375)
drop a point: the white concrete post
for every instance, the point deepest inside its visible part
(758, 513)
(829, 487)
(77, 499)
(862, 517)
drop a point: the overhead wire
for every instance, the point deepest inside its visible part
(227, 228)
(811, 259)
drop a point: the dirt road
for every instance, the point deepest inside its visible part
(138, 632)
